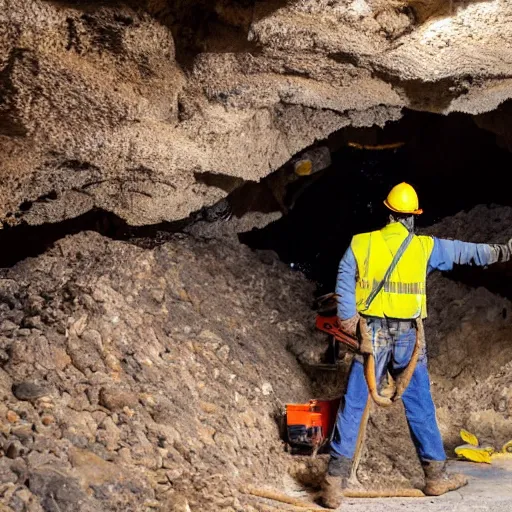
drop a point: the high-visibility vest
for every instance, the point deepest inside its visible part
(404, 294)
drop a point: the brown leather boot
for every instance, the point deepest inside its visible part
(335, 481)
(438, 481)
(332, 493)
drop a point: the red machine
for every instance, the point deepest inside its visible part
(309, 426)
(327, 321)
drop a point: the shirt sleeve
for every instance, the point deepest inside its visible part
(346, 285)
(447, 253)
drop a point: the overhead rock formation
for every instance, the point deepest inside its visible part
(125, 106)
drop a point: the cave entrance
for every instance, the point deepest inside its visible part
(453, 164)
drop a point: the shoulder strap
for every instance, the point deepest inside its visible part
(390, 269)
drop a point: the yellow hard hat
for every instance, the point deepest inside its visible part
(403, 199)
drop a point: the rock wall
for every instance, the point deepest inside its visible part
(125, 106)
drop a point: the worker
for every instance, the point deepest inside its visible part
(390, 303)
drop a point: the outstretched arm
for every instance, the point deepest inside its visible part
(346, 286)
(447, 253)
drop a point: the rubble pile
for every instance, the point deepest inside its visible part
(132, 378)
(137, 378)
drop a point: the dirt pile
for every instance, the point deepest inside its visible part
(470, 333)
(132, 379)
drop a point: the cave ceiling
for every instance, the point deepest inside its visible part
(123, 105)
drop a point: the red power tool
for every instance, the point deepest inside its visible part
(309, 426)
(327, 321)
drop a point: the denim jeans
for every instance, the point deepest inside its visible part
(393, 345)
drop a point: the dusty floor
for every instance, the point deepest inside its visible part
(489, 489)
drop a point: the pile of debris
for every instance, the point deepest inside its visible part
(155, 379)
(136, 379)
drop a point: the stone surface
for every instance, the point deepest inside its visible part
(29, 391)
(134, 107)
(59, 492)
(117, 399)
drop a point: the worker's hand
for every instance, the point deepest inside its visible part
(502, 252)
(350, 325)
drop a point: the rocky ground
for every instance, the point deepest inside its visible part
(140, 378)
(132, 377)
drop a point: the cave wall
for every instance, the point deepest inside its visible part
(122, 106)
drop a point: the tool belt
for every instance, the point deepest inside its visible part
(394, 323)
(362, 344)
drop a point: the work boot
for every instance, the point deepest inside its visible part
(438, 481)
(335, 481)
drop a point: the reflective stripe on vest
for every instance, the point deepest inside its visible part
(404, 295)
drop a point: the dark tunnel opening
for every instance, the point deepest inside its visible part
(25, 241)
(453, 164)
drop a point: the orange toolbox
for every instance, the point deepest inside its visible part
(309, 426)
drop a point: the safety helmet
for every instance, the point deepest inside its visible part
(403, 199)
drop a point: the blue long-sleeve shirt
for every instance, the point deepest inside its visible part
(445, 254)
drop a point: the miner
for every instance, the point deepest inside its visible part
(381, 288)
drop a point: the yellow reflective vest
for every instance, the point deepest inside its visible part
(404, 294)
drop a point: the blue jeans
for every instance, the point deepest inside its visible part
(393, 344)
